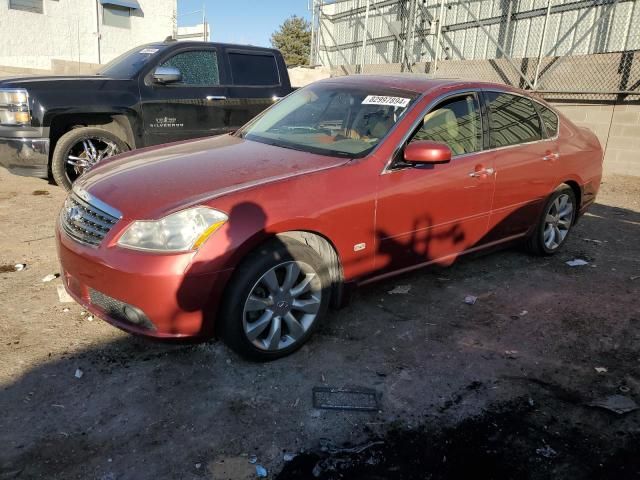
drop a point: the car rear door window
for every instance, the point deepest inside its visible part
(455, 122)
(197, 67)
(253, 69)
(550, 121)
(513, 120)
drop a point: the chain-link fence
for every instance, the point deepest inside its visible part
(560, 48)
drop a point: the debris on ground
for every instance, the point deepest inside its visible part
(18, 267)
(90, 318)
(619, 404)
(592, 240)
(7, 268)
(253, 459)
(601, 370)
(470, 300)
(40, 192)
(577, 262)
(400, 290)
(50, 277)
(79, 373)
(287, 457)
(63, 296)
(198, 465)
(364, 399)
(261, 472)
(512, 354)
(635, 277)
(624, 389)
(521, 314)
(66, 310)
(546, 452)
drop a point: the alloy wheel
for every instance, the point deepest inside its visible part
(558, 220)
(282, 306)
(86, 153)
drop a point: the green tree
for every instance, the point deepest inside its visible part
(293, 39)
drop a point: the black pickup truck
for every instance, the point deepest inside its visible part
(156, 93)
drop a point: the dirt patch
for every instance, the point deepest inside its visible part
(6, 268)
(40, 192)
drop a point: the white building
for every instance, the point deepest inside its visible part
(35, 33)
(200, 31)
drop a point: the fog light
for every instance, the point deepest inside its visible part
(132, 315)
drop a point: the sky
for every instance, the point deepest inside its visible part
(249, 22)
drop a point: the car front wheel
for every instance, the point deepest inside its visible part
(556, 222)
(275, 301)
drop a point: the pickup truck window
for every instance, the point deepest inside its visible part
(197, 67)
(253, 69)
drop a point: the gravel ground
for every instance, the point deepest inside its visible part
(496, 389)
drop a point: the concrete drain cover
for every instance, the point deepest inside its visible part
(362, 399)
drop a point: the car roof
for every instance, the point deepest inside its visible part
(414, 82)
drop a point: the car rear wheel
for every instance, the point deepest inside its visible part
(275, 301)
(556, 222)
(79, 150)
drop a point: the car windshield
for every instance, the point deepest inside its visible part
(129, 64)
(331, 119)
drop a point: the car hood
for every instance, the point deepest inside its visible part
(153, 182)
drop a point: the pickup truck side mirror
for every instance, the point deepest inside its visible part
(166, 75)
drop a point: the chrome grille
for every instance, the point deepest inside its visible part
(85, 222)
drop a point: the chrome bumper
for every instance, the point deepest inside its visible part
(28, 157)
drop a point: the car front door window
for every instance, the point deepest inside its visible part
(456, 123)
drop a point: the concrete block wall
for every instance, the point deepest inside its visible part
(618, 129)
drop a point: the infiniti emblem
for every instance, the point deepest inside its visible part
(74, 214)
(282, 304)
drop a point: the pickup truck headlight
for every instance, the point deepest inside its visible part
(14, 107)
(178, 232)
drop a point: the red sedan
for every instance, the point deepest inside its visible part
(252, 236)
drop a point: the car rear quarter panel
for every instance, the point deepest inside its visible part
(580, 160)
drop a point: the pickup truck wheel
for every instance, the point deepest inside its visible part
(78, 150)
(275, 300)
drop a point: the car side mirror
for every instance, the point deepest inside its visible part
(426, 152)
(166, 75)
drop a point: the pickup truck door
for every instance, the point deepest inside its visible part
(257, 79)
(194, 107)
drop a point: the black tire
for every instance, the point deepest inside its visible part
(535, 243)
(63, 172)
(230, 326)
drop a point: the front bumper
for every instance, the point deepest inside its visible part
(145, 294)
(25, 156)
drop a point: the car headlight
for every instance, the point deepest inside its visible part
(178, 232)
(14, 107)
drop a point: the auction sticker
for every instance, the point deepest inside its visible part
(383, 100)
(149, 51)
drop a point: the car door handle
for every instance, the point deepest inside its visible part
(216, 97)
(551, 156)
(481, 173)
